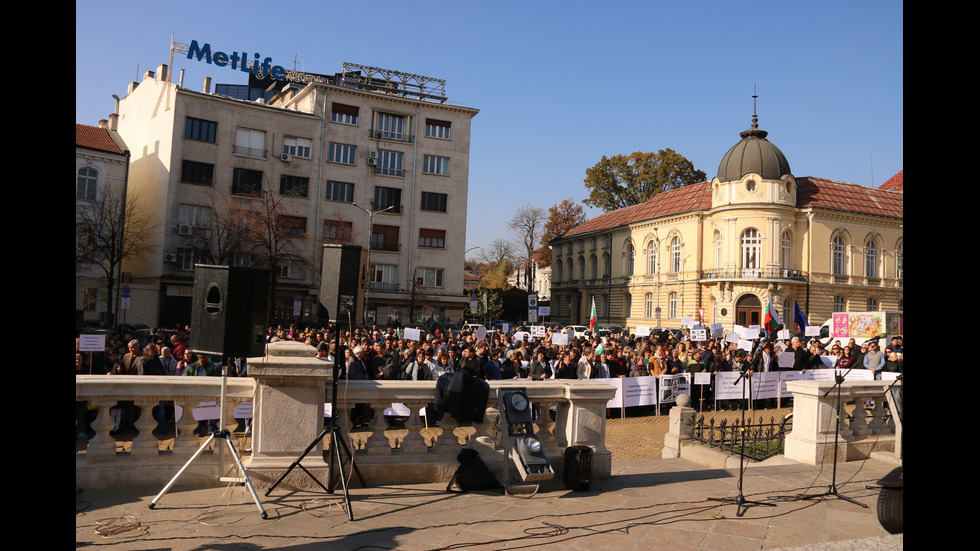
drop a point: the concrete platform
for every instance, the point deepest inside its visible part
(646, 505)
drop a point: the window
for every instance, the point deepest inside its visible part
(786, 250)
(246, 182)
(391, 127)
(559, 272)
(839, 256)
(899, 259)
(385, 197)
(628, 305)
(193, 172)
(194, 215)
(384, 238)
(606, 265)
(872, 303)
(581, 268)
(291, 225)
(429, 277)
(90, 299)
(605, 306)
(297, 147)
(648, 301)
(718, 243)
(88, 182)
(675, 255)
(436, 202)
(200, 129)
(751, 243)
(340, 191)
(672, 305)
(571, 270)
(337, 231)
(630, 257)
(298, 186)
(432, 239)
(185, 259)
(84, 241)
(389, 163)
(435, 165)
(343, 154)
(384, 277)
(653, 266)
(438, 129)
(249, 142)
(344, 114)
(595, 266)
(840, 304)
(871, 259)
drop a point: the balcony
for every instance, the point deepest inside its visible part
(753, 273)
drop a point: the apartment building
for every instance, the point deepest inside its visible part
(266, 179)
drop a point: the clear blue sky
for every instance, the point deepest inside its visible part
(559, 84)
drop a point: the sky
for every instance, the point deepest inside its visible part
(559, 84)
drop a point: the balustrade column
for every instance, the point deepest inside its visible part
(102, 445)
(185, 441)
(413, 441)
(146, 444)
(377, 443)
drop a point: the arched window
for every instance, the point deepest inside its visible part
(899, 258)
(786, 250)
(88, 182)
(630, 254)
(653, 266)
(839, 256)
(871, 259)
(606, 265)
(872, 303)
(595, 266)
(581, 268)
(571, 270)
(675, 255)
(718, 248)
(560, 270)
(751, 249)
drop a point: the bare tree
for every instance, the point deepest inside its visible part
(109, 230)
(499, 250)
(226, 236)
(526, 226)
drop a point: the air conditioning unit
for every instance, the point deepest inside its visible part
(285, 157)
(372, 161)
(185, 229)
(170, 257)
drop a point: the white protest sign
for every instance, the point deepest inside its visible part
(672, 386)
(91, 343)
(560, 339)
(481, 333)
(412, 334)
(643, 331)
(716, 330)
(812, 331)
(537, 331)
(700, 334)
(687, 322)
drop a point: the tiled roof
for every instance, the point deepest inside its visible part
(93, 137)
(812, 192)
(894, 183)
(828, 194)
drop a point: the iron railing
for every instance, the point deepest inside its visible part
(762, 440)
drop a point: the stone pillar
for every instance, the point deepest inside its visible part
(581, 421)
(290, 392)
(679, 428)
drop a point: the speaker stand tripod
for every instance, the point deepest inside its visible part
(832, 491)
(336, 443)
(740, 502)
(226, 435)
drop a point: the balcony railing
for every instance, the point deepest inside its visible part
(752, 273)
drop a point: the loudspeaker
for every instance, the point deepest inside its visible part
(578, 468)
(340, 283)
(230, 311)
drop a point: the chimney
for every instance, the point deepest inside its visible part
(162, 71)
(207, 85)
(114, 122)
(103, 124)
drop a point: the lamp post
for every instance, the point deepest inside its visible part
(366, 282)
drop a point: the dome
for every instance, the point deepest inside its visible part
(754, 154)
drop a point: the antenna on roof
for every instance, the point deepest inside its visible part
(755, 116)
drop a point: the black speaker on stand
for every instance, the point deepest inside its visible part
(341, 281)
(230, 311)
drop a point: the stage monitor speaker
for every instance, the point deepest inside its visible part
(578, 468)
(230, 311)
(340, 283)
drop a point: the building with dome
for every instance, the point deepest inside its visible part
(718, 251)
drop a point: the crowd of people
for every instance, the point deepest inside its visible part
(385, 353)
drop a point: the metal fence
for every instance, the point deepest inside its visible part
(762, 440)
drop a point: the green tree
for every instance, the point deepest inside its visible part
(624, 180)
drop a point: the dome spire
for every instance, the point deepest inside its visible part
(754, 131)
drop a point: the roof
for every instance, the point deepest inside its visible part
(844, 197)
(894, 183)
(93, 137)
(818, 193)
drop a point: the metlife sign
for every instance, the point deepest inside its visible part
(239, 61)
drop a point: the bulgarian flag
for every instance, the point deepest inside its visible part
(592, 317)
(771, 318)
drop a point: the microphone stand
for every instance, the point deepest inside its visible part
(740, 501)
(838, 382)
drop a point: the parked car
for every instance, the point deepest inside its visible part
(580, 330)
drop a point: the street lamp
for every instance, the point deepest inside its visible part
(365, 282)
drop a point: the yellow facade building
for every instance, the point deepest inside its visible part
(717, 251)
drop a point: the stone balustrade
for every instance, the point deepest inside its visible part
(288, 390)
(863, 430)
